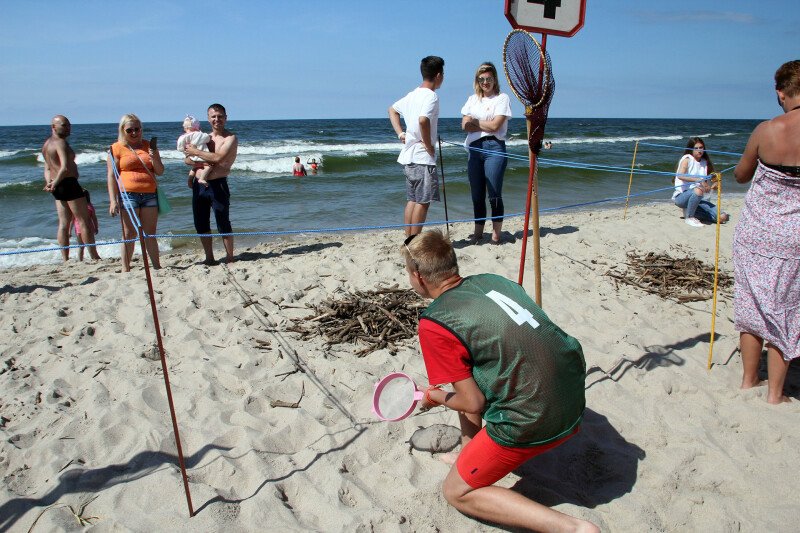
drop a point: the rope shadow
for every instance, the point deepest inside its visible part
(221, 499)
(79, 480)
(27, 289)
(655, 357)
(294, 250)
(284, 346)
(544, 231)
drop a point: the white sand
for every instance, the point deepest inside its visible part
(666, 445)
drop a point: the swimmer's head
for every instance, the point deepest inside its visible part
(191, 124)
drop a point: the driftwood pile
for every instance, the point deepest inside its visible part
(683, 280)
(379, 319)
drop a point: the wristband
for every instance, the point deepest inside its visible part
(400, 135)
(428, 394)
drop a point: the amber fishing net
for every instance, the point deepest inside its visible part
(530, 77)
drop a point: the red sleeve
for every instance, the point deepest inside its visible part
(446, 359)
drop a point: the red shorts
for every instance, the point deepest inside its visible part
(483, 462)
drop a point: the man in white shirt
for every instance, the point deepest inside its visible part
(420, 111)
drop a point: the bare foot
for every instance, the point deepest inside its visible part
(448, 458)
(782, 399)
(747, 384)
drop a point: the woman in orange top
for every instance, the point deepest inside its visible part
(138, 164)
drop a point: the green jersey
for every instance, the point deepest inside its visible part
(530, 371)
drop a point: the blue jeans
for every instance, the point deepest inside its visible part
(695, 207)
(486, 175)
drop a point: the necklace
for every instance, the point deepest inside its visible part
(795, 107)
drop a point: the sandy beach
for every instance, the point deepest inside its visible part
(665, 446)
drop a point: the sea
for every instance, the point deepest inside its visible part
(359, 186)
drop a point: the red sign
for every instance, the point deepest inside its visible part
(554, 17)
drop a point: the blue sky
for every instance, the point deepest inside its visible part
(94, 61)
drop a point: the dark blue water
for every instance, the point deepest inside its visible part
(359, 182)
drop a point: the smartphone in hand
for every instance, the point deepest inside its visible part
(154, 143)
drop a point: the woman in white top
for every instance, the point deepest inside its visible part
(691, 184)
(485, 119)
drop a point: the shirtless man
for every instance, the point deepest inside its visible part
(61, 180)
(215, 195)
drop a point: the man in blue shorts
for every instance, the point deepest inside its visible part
(508, 365)
(216, 196)
(420, 111)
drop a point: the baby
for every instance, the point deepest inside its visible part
(193, 135)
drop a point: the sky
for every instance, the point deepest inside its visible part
(310, 59)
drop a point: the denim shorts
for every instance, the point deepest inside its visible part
(138, 200)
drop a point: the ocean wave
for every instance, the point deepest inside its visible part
(8, 153)
(19, 184)
(278, 165)
(600, 140)
(305, 149)
(54, 256)
(83, 158)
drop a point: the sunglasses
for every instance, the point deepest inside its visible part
(483, 80)
(133, 130)
(410, 255)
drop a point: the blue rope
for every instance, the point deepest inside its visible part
(128, 208)
(71, 246)
(382, 227)
(583, 166)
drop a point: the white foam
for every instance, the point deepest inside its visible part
(598, 140)
(300, 147)
(8, 153)
(82, 158)
(54, 256)
(280, 165)
(11, 184)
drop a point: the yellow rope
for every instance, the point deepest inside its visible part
(630, 180)
(718, 178)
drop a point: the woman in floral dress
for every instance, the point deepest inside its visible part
(766, 244)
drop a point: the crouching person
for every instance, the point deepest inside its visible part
(508, 365)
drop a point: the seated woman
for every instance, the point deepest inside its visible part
(692, 184)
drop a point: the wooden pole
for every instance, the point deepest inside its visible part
(163, 355)
(444, 191)
(630, 180)
(716, 270)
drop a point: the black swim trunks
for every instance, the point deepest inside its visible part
(216, 196)
(68, 189)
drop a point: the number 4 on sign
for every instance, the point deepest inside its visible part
(549, 7)
(518, 314)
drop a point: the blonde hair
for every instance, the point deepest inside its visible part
(130, 117)
(486, 67)
(431, 254)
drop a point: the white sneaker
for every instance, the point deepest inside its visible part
(694, 222)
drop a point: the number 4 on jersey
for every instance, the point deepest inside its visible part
(518, 314)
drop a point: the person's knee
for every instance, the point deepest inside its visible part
(452, 492)
(698, 191)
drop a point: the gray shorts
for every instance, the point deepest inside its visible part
(422, 183)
